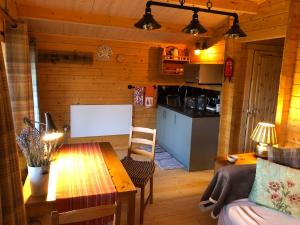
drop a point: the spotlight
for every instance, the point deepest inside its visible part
(197, 49)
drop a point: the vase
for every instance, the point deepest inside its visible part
(38, 177)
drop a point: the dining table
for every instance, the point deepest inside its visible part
(84, 175)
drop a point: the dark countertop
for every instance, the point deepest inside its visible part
(193, 113)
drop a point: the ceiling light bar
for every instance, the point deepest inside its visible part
(234, 32)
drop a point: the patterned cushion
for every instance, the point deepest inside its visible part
(139, 171)
(285, 156)
(276, 186)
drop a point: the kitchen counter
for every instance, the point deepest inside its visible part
(193, 141)
(193, 113)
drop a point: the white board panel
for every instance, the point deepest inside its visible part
(100, 120)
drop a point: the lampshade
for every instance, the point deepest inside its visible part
(50, 126)
(147, 22)
(264, 133)
(51, 132)
(194, 26)
(235, 31)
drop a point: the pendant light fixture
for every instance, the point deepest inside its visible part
(235, 31)
(197, 49)
(194, 26)
(200, 46)
(147, 22)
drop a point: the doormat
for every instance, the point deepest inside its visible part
(164, 159)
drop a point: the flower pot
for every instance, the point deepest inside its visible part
(38, 177)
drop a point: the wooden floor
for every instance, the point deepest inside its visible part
(176, 197)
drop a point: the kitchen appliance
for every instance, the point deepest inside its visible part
(173, 100)
(211, 106)
(191, 102)
(209, 74)
(202, 102)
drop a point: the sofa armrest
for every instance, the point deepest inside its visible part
(241, 179)
(230, 183)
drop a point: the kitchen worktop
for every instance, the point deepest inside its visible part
(193, 113)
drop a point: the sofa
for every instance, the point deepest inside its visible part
(228, 192)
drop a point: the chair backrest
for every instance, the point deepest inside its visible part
(80, 215)
(142, 141)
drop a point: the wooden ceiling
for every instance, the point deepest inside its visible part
(114, 19)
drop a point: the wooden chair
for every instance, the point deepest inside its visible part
(141, 172)
(80, 215)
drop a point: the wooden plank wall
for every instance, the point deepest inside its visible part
(212, 55)
(61, 85)
(104, 82)
(232, 98)
(290, 91)
(270, 22)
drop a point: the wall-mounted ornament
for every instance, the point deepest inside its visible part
(104, 53)
(120, 58)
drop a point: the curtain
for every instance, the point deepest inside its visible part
(12, 206)
(19, 79)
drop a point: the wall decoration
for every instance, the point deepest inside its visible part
(104, 53)
(45, 56)
(120, 58)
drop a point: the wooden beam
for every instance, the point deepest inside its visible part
(238, 6)
(30, 12)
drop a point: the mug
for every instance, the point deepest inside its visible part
(217, 107)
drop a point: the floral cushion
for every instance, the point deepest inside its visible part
(276, 186)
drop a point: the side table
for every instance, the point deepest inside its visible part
(244, 158)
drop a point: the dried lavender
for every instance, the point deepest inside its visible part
(36, 152)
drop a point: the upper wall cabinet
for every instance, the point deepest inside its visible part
(172, 60)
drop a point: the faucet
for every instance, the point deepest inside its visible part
(185, 93)
(178, 90)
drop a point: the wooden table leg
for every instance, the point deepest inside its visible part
(131, 209)
(118, 213)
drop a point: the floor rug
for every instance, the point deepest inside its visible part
(163, 159)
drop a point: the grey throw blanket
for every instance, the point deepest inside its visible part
(229, 184)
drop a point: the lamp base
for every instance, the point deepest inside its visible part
(262, 151)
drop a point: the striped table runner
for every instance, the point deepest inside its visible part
(82, 179)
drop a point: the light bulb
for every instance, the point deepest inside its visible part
(197, 51)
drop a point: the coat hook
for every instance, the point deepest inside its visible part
(131, 86)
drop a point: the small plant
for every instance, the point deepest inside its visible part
(36, 151)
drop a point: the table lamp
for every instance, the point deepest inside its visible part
(51, 133)
(265, 135)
